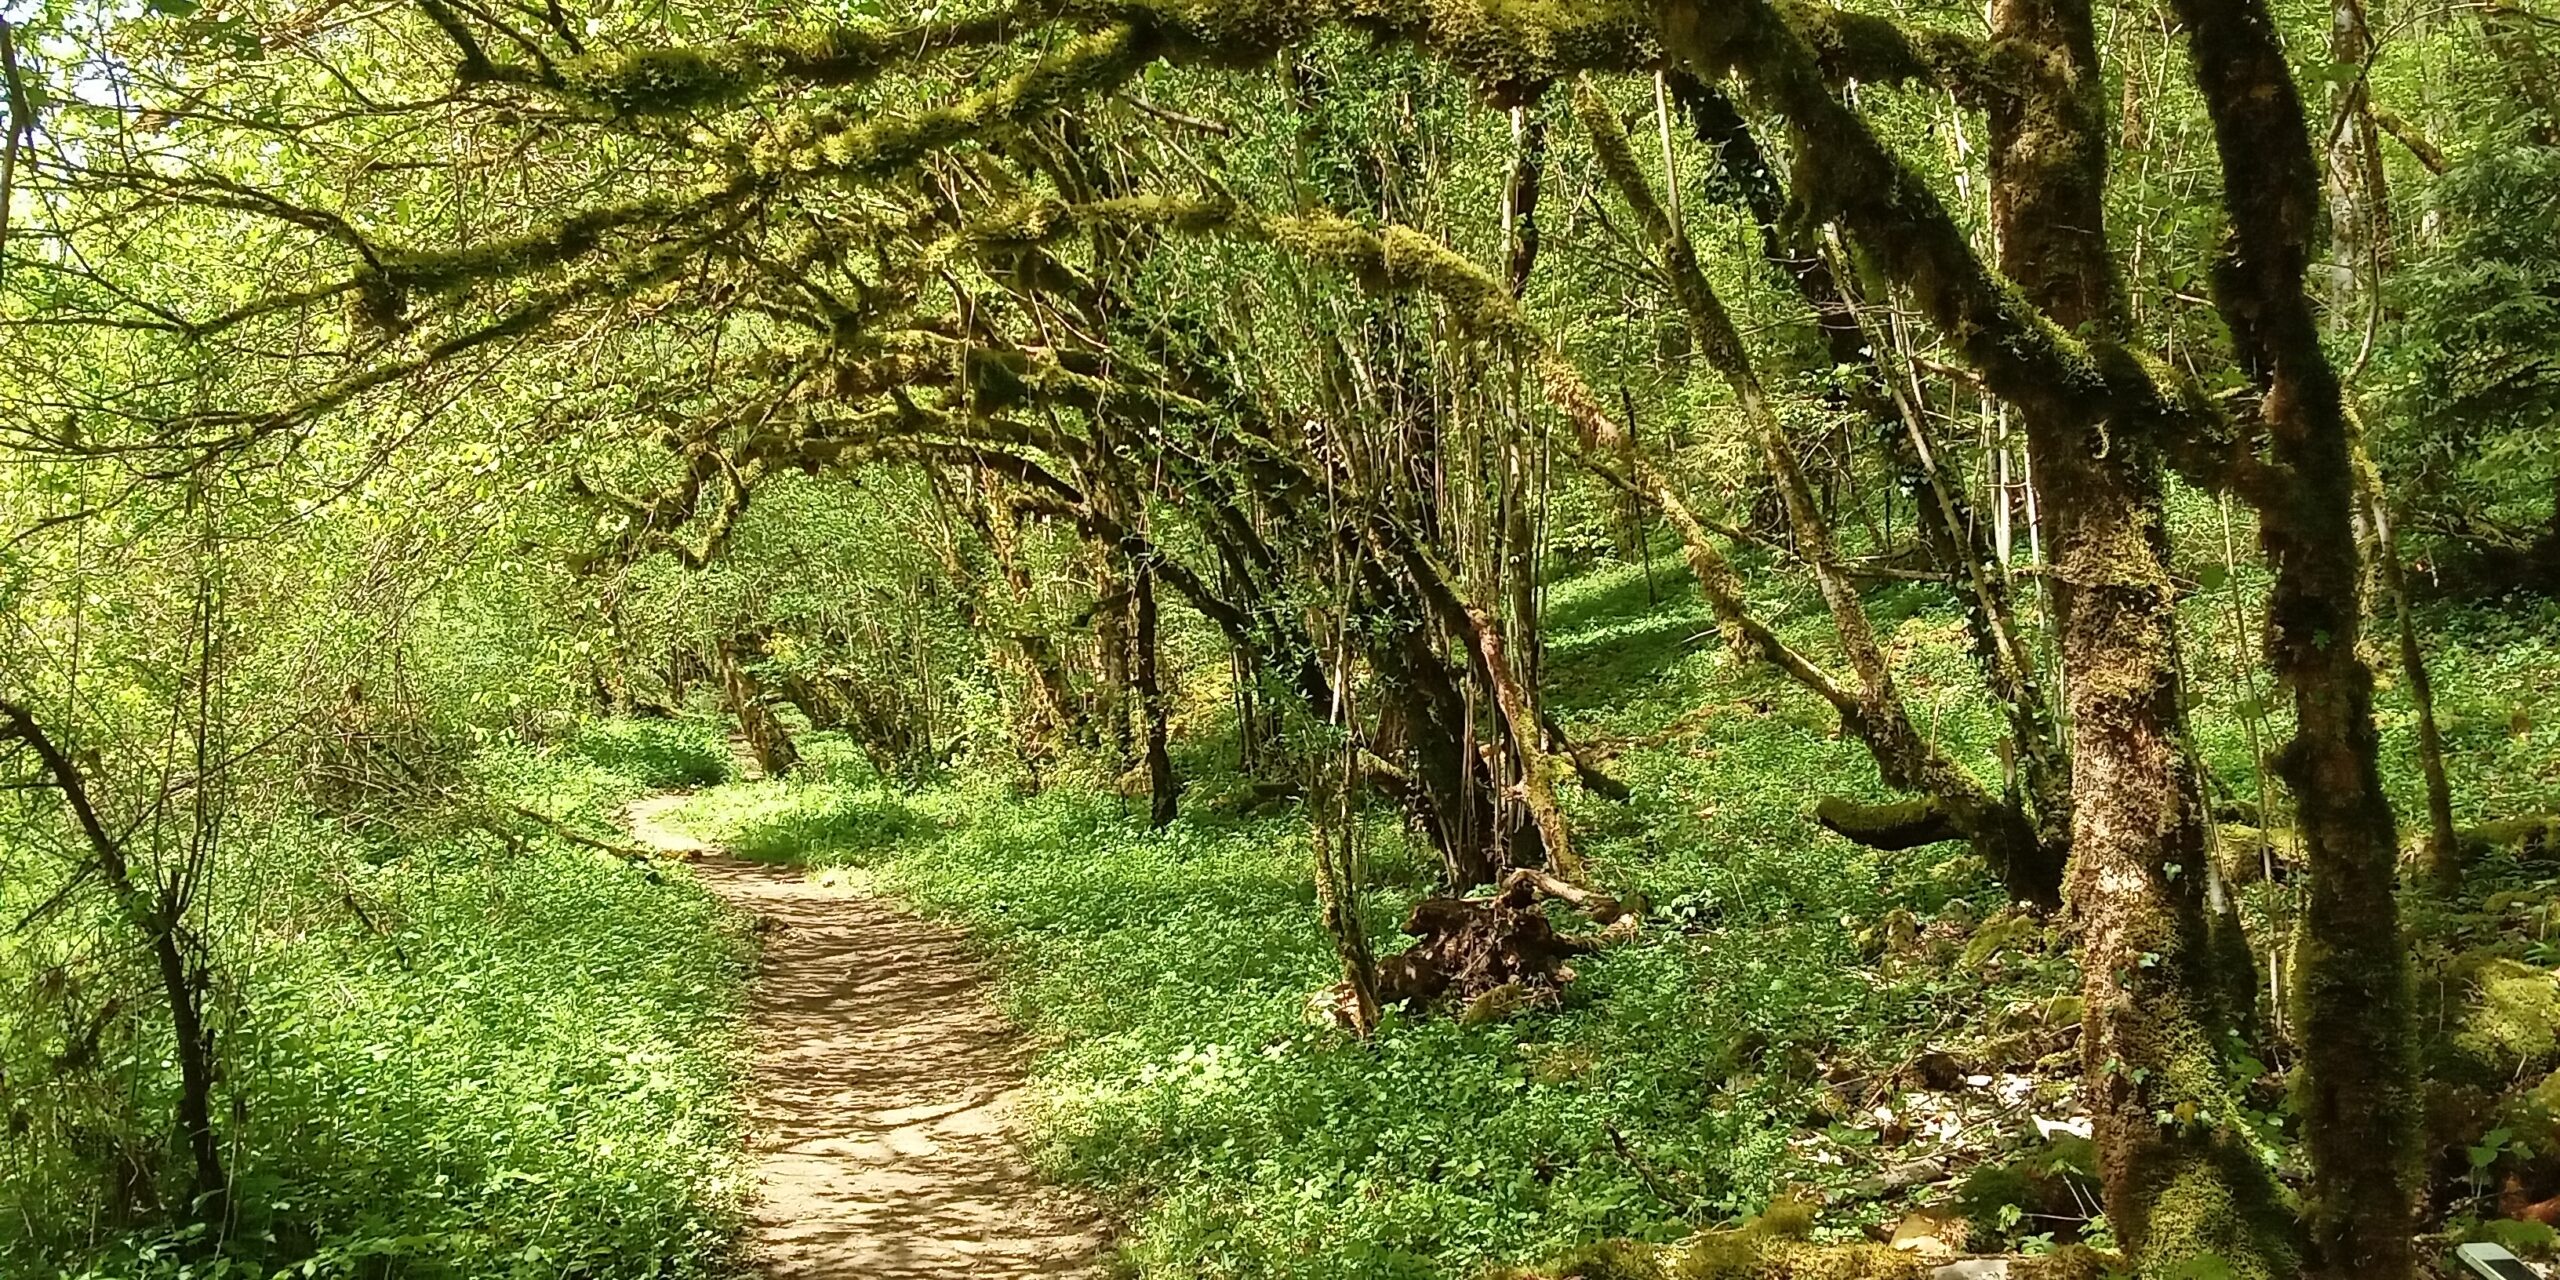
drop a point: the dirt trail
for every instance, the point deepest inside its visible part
(884, 1093)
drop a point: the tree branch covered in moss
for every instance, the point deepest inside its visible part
(1863, 48)
(1908, 761)
(2359, 1095)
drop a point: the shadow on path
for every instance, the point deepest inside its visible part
(884, 1090)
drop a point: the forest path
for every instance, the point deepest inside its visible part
(884, 1092)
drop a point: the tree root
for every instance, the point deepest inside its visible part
(1490, 957)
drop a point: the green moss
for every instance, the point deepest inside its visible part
(2202, 1226)
(1853, 46)
(2070, 1262)
(1608, 1260)
(1750, 1255)
(662, 81)
(2513, 1017)
(1084, 68)
(1769, 1244)
(1512, 48)
(2537, 832)
(678, 79)
(571, 237)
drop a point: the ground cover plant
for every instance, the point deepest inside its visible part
(1661, 637)
(1725, 1062)
(463, 1065)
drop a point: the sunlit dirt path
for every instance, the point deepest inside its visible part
(884, 1091)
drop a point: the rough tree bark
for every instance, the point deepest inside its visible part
(2183, 1186)
(2358, 1091)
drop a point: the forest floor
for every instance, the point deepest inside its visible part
(884, 1092)
(1875, 1036)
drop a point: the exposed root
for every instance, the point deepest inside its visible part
(1470, 947)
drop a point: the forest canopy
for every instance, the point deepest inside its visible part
(1706, 638)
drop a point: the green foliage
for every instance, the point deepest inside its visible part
(2524, 1238)
(2475, 436)
(657, 754)
(371, 359)
(466, 1063)
(1169, 972)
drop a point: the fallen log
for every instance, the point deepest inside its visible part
(2533, 837)
(2248, 851)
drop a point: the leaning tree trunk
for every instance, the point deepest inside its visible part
(817, 697)
(1960, 542)
(1498, 670)
(2443, 852)
(1874, 710)
(767, 740)
(2516, 48)
(156, 913)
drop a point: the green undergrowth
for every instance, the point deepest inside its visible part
(657, 754)
(1167, 975)
(1689, 1078)
(468, 1060)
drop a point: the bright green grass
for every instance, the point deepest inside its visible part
(514, 1064)
(654, 753)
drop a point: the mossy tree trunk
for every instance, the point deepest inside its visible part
(2182, 1184)
(767, 740)
(2443, 853)
(1874, 710)
(2515, 44)
(1957, 540)
(2358, 1088)
(1164, 787)
(2359, 196)
(1107, 705)
(817, 699)
(2101, 426)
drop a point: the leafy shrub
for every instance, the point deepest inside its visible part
(2474, 439)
